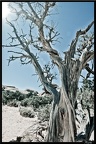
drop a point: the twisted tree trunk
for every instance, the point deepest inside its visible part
(62, 121)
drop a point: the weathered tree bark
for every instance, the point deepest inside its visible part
(62, 122)
(62, 126)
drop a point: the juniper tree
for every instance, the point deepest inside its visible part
(62, 127)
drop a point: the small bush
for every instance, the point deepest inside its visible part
(25, 102)
(19, 96)
(5, 97)
(14, 103)
(11, 95)
(44, 112)
(47, 99)
(27, 112)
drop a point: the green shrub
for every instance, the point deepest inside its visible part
(27, 112)
(29, 95)
(5, 97)
(8, 96)
(35, 93)
(19, 96)
(36, 101)
(47, 99)
(25, 101)
(30, 102)
(44, 112)
(14, 103)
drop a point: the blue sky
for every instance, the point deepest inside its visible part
(71, 17)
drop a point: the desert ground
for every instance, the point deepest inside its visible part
(13, 124)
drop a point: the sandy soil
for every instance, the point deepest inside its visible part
(13, 124)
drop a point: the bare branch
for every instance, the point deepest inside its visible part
(47, 6)
(11, 45)
(17, 53)
(47, 72)
(36, 20)
(74, 42)
(45, 12)
(33, 60)
(21, 57)
(84, 31)
(34, 74)
(43, 80)
(89, 69)
(82, 76)
(34, 13)
(15, 31)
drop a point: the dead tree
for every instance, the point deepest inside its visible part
(62, 126)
